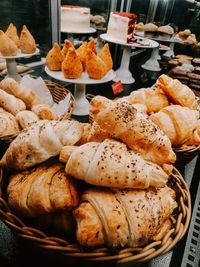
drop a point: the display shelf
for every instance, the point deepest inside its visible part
(123, 72)
(11, 63)
(81, 107)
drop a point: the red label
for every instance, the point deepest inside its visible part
(117, 87)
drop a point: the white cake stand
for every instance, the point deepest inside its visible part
(123, 72)
(71, 32)
(11, 63)
(81, 107)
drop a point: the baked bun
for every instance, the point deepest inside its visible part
(166, 29)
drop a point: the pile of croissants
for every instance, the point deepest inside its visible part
(124, 160)
(10, 42)
(73, 62)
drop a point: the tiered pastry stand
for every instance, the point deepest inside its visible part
(152, 64)
(123, 72)
(81, 107)
(11, 63)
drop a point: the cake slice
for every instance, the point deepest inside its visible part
(121, 26)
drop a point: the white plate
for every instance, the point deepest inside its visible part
(173, 39)
(84, 79)
(20, 54)
(147, 42)
(90, 30)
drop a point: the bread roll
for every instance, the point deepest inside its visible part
(9, 124)
(25, 118)
(44, 112)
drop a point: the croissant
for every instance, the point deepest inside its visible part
(95, 66)
(27, 41)
(41, 190)
(97, 134)
(106, 57)
(39, 142)
(27, 95)
(153, 100)
(9, 125)
(119, 218)
(11, 32)
(71, 66)
(134, 128)
(44, 112)
(54, 58)
(81, 52)
(177, 122)
(7, 46)
(179, 93)
(111, 164)
(25, 118)
(67, 44)
(11, 103)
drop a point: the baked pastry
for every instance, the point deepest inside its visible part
(119, 218)
(27, 95)
(11, 103)
(92, 46)
(134, 128)
(11, 32)
(67, 44)
(111, 164)
(54, 58)
(27, 41)
(41, 190)
(7, 46)
(81, 52)
(179, 93)
(178, 123)
(106, 57)
(95, 66)
(25, 118)
(71, 66)
(139, 27)
(150, 29)
(154, 101)
(44, 112)
(39, 142)
(184, 34)
(96, 134)
(9, 125)
(165, 31)
(20, 69)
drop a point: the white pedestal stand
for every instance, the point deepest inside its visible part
(170, 52)
(12, 66)
(81, 107)
(152, 63)
(123, 73)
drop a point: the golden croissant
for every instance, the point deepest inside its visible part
(111, 164)
(178, 123)
(106, 57)
(11, 32)
(119, 218)
(95, 66)
(39, 142)
(134, 128)
(71, 66)
(54, 58)
(7, 46)
(179, 93)
(27, 41)
(41, 190)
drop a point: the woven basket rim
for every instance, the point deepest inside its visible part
(53, 87)
(127, 254)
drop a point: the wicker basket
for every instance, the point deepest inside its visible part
(58, 93)
(180, 222)
(185, 154)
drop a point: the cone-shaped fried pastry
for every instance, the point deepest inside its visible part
(27, 42)
(81, 52)
(71, 66)
(92, 46)
(7, 46)
(95, 66)
(54, 58)
(66, 46)
(11, 32)
(106, 56)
